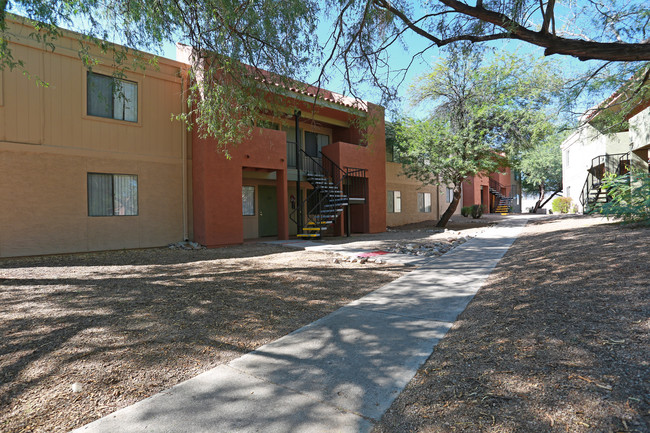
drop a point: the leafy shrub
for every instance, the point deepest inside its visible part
(466, 211)
(477, 211)
(561, 205)
(630, 197)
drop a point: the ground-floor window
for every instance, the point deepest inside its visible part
(450, 195)
(424, 202)
(112, 194)
(394, 201)
(248, 200)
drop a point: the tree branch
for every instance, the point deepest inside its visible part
(583, 50)
(547, 16)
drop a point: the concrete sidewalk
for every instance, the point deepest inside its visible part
(338, 374)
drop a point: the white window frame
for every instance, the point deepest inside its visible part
(423, 198)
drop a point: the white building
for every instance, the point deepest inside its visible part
(588, 153)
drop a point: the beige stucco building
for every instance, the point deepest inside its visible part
(83, 168)
(409, 201)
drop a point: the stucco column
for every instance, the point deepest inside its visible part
(282, 195)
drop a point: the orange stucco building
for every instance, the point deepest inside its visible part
(487, 190)
(266, 165)
(78, 177)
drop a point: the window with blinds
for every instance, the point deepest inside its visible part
(112, 98)
(450, 195)
(394, 201)
(112, 194)
(424, 202)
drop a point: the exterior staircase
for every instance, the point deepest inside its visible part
(593, 192)
(327, 201)
(503, 201)
(503, 207)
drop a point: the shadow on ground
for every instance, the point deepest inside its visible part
(557, 340)
(128, 330)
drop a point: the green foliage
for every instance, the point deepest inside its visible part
(561, 204)
(483, 116)
(466, 211)
(541, 166)
(477, 211)
(630, 197)
(279, 36)
(392, 148)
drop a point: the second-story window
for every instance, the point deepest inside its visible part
(112, 98)
(315, 142)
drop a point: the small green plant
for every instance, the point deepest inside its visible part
(466, 211)
(477, 211)
(561, 205)
(629, 197)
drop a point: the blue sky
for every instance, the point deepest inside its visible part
(421, 65)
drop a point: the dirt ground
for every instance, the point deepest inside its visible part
(558, 340)
(127, 324)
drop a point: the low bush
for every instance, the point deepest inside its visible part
(466, 211)
(561, 205)
(629, 197)
(477, 211)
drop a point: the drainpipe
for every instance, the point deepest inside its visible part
(438, 202)
(296, 115)
(184, 159)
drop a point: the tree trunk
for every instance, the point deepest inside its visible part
(444, 219)
(552, 195)
(542, 191)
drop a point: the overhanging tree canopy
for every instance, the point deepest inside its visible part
(279, 36)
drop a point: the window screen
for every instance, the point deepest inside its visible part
(112, 98)
(112, 194)
(424, 202)
(248, 200)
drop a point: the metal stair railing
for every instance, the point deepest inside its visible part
(601, 165)
(324, 203)
(495, 189)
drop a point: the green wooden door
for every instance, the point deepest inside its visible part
(268, 211)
